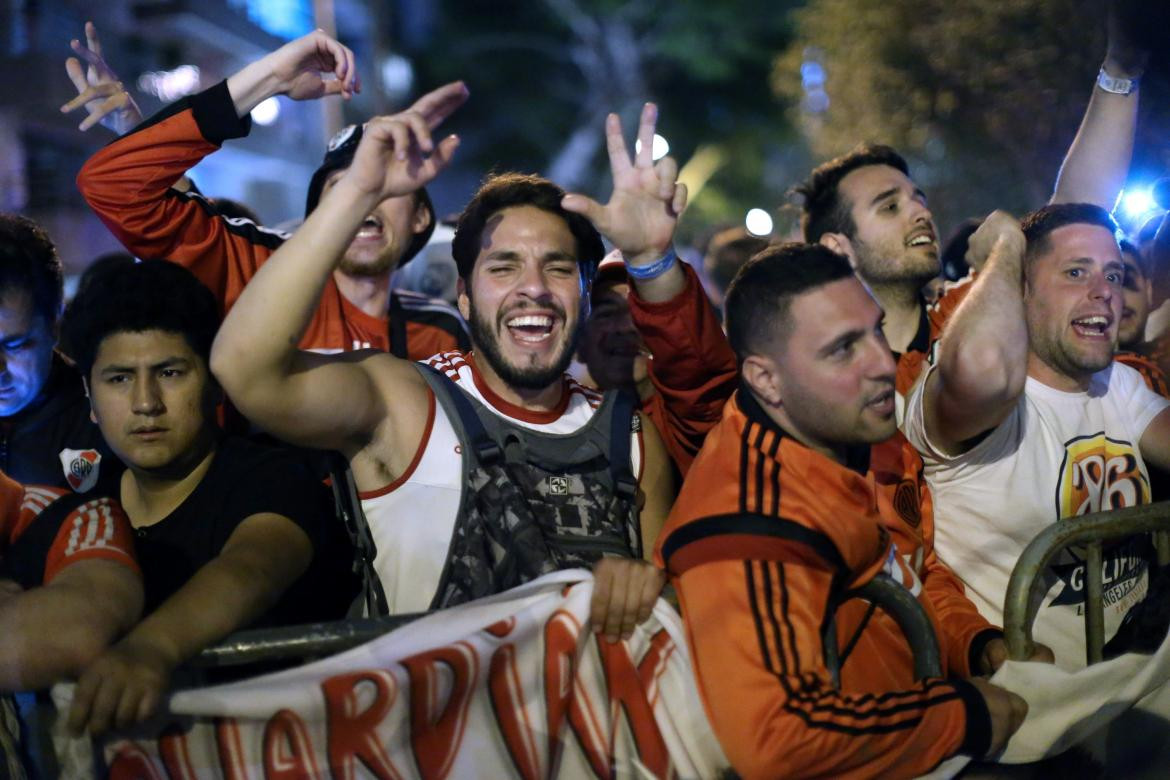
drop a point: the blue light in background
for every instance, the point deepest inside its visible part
(284, 18)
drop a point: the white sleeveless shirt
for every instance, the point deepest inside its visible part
(413, 518)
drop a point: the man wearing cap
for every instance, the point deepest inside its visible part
(128, 184)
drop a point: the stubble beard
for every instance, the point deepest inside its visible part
(487, 344)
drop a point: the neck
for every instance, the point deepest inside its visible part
(903, 308)
(778, 415)
(544, 399)
(1058, 380)
(148, 496)
(371, 294)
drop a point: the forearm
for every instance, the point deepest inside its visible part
(1097, 163)
(258, 339)
(983, 352)
(222, 597)
(252, 85)
(52, 632)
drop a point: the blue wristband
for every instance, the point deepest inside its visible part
(655, 269)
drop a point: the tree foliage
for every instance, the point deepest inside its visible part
(982, 97)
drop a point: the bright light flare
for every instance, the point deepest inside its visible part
(758, 222)
(1138, 202)
(266, 112)
(659, 148)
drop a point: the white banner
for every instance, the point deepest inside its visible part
(511, 686)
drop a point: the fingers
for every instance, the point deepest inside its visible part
(680, 199)
(615, 613)
(651, 587)
(619, 157)
(438, 104)
(602, 583)
(77, 75)
(110, 105)
(83, 698)
(91, 39)
(344, 67)
(645, 155)
(586, 207)
(667, 171)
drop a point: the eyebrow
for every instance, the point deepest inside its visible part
(129, 369)
(509, 254)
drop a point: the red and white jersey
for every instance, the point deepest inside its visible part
(97, 528)
(413, 518)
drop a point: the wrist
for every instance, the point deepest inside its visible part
(251, 86)
(1119, 79)
(651, 265)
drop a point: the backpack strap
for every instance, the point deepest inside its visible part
(371, 602)
(622, 424)
(469, 427)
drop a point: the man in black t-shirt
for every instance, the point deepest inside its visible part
(229, 532)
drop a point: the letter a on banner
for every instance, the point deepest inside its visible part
(353, 735)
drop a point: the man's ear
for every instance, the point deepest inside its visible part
(762, 375)
(423, 217)
(89, 396)
(839, 243)
(462, 300)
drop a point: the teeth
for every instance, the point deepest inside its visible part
(1097, 320)
(921, 241)
(531, 321)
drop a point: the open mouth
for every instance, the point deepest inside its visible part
(530, 328)
(1092, 327)
(883, 403)
(922, 239)
(370, 228)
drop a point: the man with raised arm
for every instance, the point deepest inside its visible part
(866, 206)
(804, 491)
(1026, 419)
(129, 184)
(454, 515)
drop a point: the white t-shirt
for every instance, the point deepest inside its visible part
(1056, 455)
(413, 518)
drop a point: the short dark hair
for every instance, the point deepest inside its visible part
(505, 190)
(154, 295)
(728, 250)
(759, 296)
(29, 264)
(1039, 224)
(1133, 250)
(824, 211)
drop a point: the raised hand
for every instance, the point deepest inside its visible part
(647, 199)
(297, 68)
(397, 154)
(98, 88)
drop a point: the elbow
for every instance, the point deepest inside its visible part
(991, 373)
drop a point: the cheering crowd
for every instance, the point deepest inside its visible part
(165, 477)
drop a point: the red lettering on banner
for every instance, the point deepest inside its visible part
(230, 750)
(288, 753)
(353, 735)
(131, 762)
(172, 746)
(436, 728)
(653, 663)
(564, 697)
(627, 693)
(501, 628)
(511, 714)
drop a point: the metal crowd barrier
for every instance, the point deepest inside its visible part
(314, 640)
(891, 597)
(1026, 588)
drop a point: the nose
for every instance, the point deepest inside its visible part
(533, 283)
(147, 398)
(921, 212)
(1101, 288)
(880, 360)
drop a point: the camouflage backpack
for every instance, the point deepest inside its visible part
(536, 502)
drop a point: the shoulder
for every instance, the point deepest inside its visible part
(427, 311)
